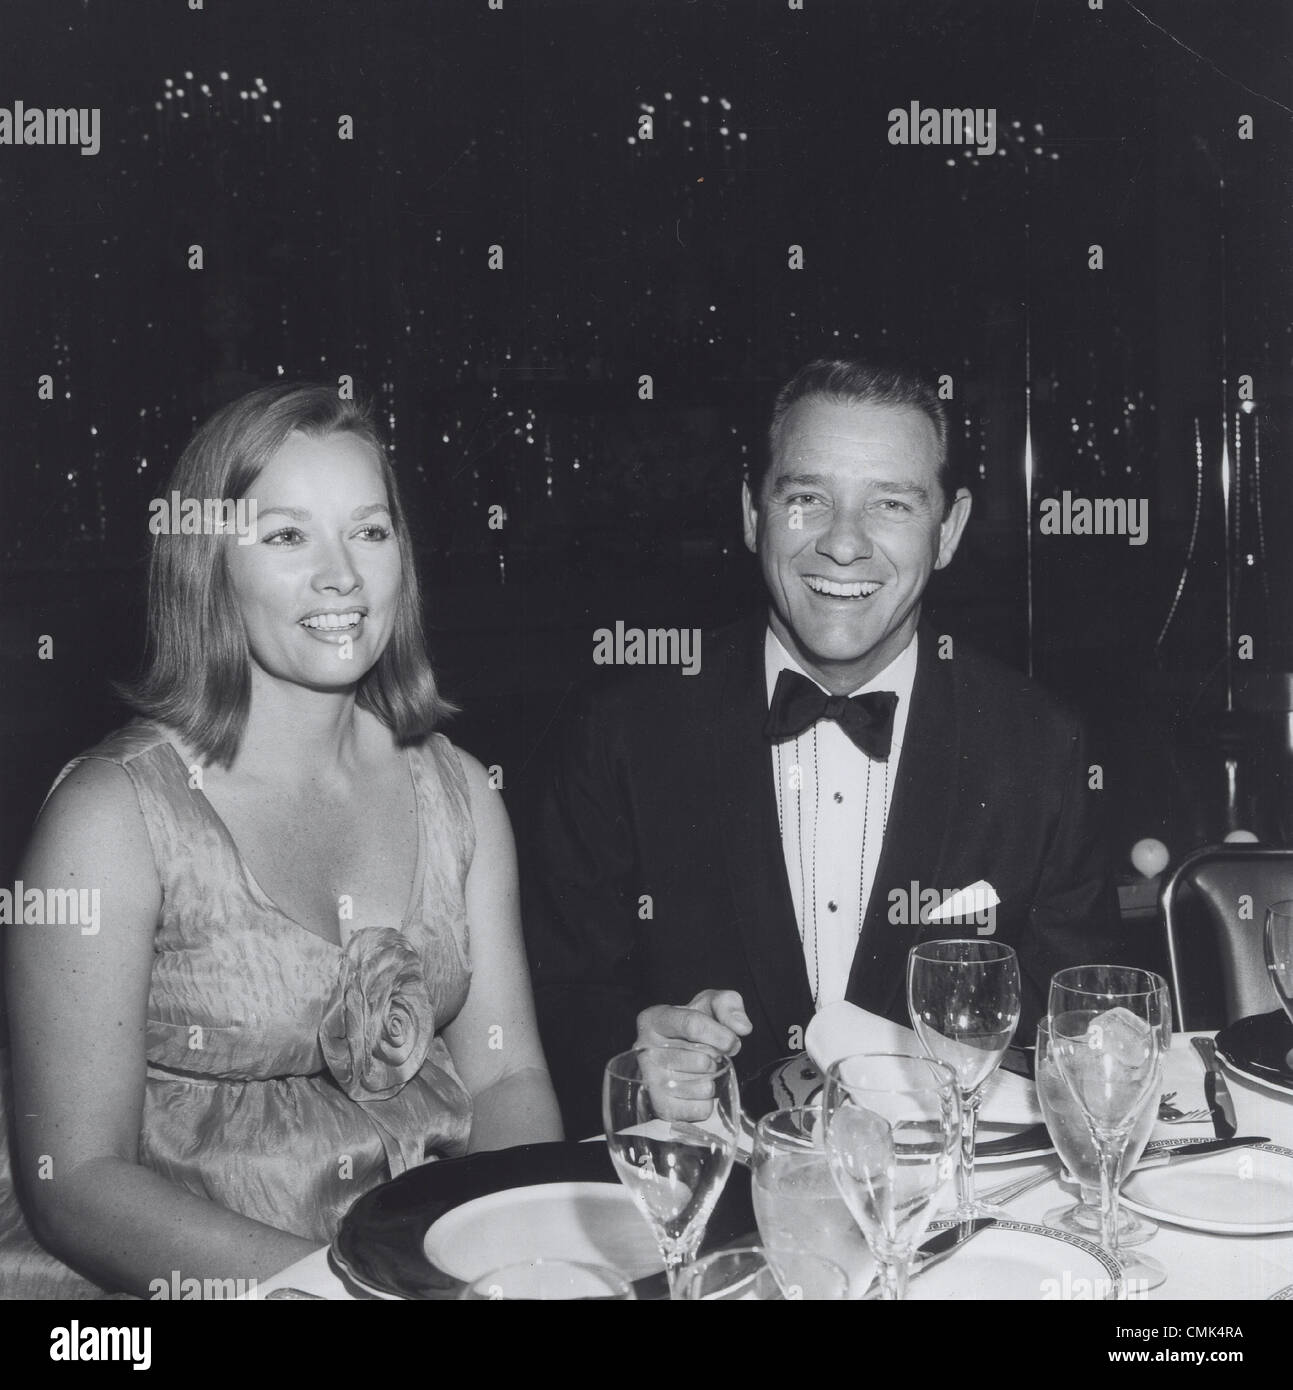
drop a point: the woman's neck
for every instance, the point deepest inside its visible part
(298, 736)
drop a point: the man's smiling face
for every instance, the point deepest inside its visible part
(850, 524)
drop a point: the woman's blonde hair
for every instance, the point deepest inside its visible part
(196, 676)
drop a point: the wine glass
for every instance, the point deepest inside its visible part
(1076, 1147)
(1106, 1038)
(796, 1203)
(672, 1117)
(892, 1125)
(1279, 956)
(963, 997)
(1073, 1141)
(550, 1280)
(756, 1272)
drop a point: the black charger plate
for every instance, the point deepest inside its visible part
(1258, 1047)
(379, 1242)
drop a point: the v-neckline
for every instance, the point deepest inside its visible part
(419, 867)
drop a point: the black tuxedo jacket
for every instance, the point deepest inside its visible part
(657, 869)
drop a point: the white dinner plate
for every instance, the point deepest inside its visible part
(1240, 1192)
(592, 1222)
(1017, 1260)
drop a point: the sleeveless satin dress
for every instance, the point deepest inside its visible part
(287, 1075)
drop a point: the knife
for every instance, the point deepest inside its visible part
(1215, 1090)
(1164, 1151)
(1034, 1139)
(937, 1248)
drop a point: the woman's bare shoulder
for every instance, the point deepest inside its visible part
(93, 810)
(472, 769)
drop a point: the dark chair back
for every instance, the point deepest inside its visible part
(1233, 886)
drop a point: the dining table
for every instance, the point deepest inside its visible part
(1200, 1264)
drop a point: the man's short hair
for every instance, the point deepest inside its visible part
(854, 381)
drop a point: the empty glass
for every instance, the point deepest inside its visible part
(892, 1127)
(672, 1117)
(964, 1001)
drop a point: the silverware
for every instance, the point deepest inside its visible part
(1215, 1090)
(1171, 1114)
(939, 1248)
(1026, 1141)
(1186, 1117)
(1163, 1151)
(1007, 1192)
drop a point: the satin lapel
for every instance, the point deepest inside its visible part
(916, 838)
(752, 841)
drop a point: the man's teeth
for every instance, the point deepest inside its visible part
(332, 621)
(859, 588)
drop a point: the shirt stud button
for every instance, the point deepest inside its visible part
(833, 906)
(839, 796)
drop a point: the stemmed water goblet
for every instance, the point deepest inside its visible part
(1075, 1145)
(964, 1001)
(1106, 1039)
(672, 1117)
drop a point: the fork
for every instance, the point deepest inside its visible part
(1007, 1192)
(1173, 1115)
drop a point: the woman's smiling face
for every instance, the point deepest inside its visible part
(318, 588)
(850, 524)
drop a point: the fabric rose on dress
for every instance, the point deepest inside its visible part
(379, 1022)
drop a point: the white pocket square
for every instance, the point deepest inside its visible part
(967, 902)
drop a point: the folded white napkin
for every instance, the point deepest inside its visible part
(839, 1030)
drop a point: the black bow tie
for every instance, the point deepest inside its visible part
(797, 704)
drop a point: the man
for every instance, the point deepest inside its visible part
(748, 841)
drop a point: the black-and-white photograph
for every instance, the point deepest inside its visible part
(648, 655)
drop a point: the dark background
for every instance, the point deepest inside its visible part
(519, 387)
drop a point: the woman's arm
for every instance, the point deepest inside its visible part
(494, 1040)
(78, 1004)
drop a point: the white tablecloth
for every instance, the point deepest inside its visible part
(1199, 1265)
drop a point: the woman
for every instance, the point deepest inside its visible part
(308, 973)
